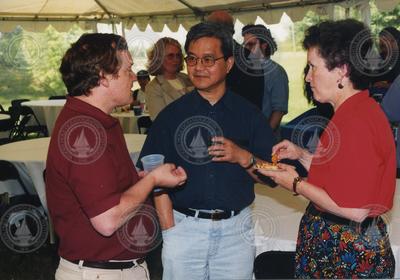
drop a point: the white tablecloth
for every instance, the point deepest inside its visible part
(277, 216)
(128, 121)
(30, 158)
(46, 111)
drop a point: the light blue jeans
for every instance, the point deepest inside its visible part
(204, 249)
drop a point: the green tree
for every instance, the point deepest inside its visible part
(311, 18)
(16, 48)
(380, 20)
(29, 63)
(46, 77)
(9, 46)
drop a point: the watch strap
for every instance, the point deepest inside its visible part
(252, 162)
(296, 181)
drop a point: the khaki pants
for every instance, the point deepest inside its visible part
(70, 271)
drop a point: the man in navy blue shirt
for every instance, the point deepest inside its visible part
(216, 136)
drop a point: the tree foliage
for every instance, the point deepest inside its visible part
(29, 62)
(310, 19)
(380, 20)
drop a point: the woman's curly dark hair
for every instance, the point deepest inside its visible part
(333, 39)
(89, 59)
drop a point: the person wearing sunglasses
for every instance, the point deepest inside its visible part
(165, 62)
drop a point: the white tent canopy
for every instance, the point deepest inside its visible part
(35, 15)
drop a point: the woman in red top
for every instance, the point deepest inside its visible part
(352, 178)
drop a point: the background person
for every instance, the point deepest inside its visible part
(391, 106)
(341, 235)
(139, 97)
(389, 51)
(259, 41)
(165, 62)
(92, 187)
(390, 45)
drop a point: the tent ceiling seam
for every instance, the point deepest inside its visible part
(110, 15)
(44, 4)
(195, 10)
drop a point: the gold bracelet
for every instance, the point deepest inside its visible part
(296, 181)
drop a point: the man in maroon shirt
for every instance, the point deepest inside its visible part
(98, 205)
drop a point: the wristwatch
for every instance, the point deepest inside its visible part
(296, 181)
(252, 162)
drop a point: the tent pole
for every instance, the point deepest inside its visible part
(114, 29)
(347, 12)
(366, 13)
(122, 29)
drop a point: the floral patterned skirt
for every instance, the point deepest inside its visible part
(326, 249)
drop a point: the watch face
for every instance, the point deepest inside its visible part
(253, 160)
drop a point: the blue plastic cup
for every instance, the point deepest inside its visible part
(152, 161)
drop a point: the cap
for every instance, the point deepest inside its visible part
(142, 74)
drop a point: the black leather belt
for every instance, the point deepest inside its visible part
(110, 265)
(339, 220)
(215, 216)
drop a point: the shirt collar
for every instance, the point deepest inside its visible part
(82, 107)
(226, 100)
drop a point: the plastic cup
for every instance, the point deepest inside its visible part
(152, 161)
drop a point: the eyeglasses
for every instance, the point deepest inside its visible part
(206, 61)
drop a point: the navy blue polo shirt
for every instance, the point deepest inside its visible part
(183, 131)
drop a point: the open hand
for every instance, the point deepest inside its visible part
(283, 177)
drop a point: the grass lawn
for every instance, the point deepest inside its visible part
(294, 63)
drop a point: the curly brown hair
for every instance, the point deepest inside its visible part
(333, 40)
(87, 61)
(156, 55)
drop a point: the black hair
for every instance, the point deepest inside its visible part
(263, 34)
(214, 30)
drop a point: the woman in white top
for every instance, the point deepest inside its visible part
(165, 62)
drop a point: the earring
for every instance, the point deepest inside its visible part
(340, 85)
